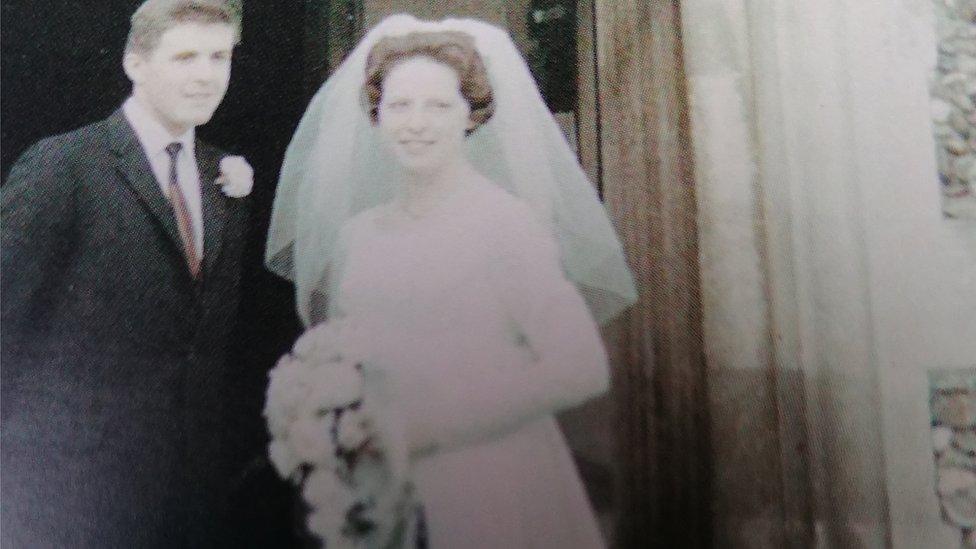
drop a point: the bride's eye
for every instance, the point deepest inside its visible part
(397, 104)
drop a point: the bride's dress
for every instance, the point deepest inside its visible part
(477, 338)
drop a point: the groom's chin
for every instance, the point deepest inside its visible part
(201, 118)
(198, 115)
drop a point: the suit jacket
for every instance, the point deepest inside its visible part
(114, 367)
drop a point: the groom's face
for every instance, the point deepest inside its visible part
(184, 78)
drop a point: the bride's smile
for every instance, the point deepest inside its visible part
(416, 146)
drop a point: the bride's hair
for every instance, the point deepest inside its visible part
(452, 48)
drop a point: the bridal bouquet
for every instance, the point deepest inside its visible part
(328, 435)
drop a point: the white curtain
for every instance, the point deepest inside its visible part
(813, 150)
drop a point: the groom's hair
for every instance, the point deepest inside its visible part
(155, 17)
(452, 48)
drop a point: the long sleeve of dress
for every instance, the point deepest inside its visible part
(563, 361)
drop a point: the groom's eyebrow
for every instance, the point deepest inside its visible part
(191, 53)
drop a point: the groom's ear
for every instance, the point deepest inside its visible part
(132, 64)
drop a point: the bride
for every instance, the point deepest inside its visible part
(429, 197)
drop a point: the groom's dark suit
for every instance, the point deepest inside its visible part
(113, 373)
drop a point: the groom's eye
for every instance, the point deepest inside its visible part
(184, 57)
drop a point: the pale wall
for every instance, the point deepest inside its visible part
(922, 267)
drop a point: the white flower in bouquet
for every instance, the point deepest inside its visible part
(318, 343)
(955, 479)
(334, 385)
(287, 391)
(941, 438)
(284, 460)
(329, 342)
(351, 431)
(323, 488)
(310, 438)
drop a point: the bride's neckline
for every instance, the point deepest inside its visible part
(452, 201)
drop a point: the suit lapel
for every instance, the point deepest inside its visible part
(214, 204)
(132, 163)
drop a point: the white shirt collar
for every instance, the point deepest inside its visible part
(152, 135)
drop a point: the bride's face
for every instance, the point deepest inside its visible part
(423, 116)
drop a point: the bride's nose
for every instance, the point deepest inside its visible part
(417, 120)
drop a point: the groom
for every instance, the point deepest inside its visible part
(121, 251)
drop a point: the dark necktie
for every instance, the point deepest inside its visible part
(182, 213)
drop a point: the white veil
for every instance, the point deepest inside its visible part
(335, 168)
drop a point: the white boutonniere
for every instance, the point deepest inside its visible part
(236, 176)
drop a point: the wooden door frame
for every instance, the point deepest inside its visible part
(660, 377)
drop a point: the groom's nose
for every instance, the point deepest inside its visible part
(205, 70)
